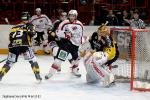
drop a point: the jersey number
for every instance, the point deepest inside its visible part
(18, 33)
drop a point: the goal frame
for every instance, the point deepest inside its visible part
(133, 32)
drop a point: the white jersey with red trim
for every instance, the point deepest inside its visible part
(41, 22)
(75, 28)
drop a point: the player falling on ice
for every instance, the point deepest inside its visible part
(98, 51)
(20, 43)
(70, 32)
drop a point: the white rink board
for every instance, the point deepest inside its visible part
(5, 30)
(4, 36)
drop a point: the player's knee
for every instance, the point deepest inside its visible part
(33, 59)
(55, 51)
(69, 57)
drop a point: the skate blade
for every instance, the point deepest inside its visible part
(112, 84)
(38, 81)
(46, 77)
(77, 75)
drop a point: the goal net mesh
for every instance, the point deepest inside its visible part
(134, 59)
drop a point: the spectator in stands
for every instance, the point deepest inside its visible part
(136, 22)
(92, 22)
(131, 13)
(125, 16)
(111, 18)
(144, 16)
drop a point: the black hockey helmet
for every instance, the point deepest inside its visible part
(25, 16)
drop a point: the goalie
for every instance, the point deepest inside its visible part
(103, 50)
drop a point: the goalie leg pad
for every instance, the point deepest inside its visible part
(100, 57)
(97, 72)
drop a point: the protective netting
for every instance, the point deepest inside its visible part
(142, 55)
(139, 46)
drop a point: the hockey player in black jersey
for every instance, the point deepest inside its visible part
(20, 43)
(52, 37)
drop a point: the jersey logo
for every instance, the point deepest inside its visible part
(74, 28)
(62, 55)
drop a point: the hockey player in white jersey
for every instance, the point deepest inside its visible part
(42, 24)
(70, 32)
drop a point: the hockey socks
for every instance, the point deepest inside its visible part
(52, 71)
(36, 70)
(4, 70)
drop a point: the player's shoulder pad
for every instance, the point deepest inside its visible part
(79, 22)
(43, 15)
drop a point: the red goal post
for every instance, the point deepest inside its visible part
(134, 59)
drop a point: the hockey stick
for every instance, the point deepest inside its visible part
(3, 60)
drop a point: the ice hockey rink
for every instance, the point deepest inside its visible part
(20, 84)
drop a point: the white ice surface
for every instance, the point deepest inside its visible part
(20, 81)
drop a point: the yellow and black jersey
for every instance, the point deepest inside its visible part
(96, 44)
(112, 50)
(106, 44)
(20, 35)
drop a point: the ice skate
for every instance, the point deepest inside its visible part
(49, 75)
(38, 78)
(75, 71)
(52, 71)
(0, 76)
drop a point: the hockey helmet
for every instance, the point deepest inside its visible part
(103, 28)
(63, 14)
(25, 16)
(73, 12)
(38, 9)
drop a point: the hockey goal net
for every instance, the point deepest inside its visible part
(134, 59)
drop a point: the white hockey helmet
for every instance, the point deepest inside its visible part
(73, 12)
(63, 14)
(38, 9)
